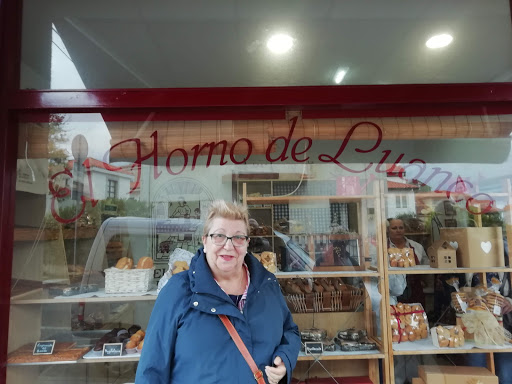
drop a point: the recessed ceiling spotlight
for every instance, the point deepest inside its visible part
(439, 41)
(280, 43)
(340, 75)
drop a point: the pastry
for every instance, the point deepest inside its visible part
(141, 332)
(327, 285)
(268, 261)
(292, 288)
(136, 338)
(131, 344)
(180, 266)
(133, 329)
(317, 287)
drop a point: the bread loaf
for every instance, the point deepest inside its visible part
(145, 263)
(124, 263)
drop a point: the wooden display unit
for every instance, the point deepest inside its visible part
(425, 346)
(363, 363)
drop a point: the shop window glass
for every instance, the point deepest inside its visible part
(319, 192)
(174, 44)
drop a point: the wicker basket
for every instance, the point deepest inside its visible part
(127, 280)
(337, 301)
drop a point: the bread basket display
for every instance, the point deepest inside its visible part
(124, 279)
(127, 280)
(321, 295)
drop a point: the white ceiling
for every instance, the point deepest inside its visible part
(210, 43)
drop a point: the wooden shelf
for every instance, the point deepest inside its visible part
(341, 355)
(426, 270)
(309, 274)
(31, 234)
(306, 199)
(337, 355)
(123, 359)
(425, 347)
(42, 297)
(34, 234)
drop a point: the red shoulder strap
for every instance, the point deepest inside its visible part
(258, 375)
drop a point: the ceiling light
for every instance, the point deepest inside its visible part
(280, 43)
(340, 75)
(439, 41)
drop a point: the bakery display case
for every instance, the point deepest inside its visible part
(104, 301)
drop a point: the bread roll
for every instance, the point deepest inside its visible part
(124, 263)
(145, 262)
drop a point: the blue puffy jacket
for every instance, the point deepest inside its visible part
(187, 343)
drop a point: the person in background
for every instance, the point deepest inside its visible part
(406, 367)
(186, 342)
(413, 284)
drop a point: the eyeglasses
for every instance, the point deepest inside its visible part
(237, 240)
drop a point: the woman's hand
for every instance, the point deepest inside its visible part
(275, 374)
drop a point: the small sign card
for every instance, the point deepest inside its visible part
(314, 348)
(44, 347)
(112, 349)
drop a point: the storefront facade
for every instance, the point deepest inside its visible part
(117, 135)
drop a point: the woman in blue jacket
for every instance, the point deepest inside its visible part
(186, 341)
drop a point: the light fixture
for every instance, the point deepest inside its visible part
(340, 75)
(280, 43)
(439, 41)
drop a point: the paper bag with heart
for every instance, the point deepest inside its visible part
(477, 247)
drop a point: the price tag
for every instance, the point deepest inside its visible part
(44, 347)
(314, 348)
(112, 349)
